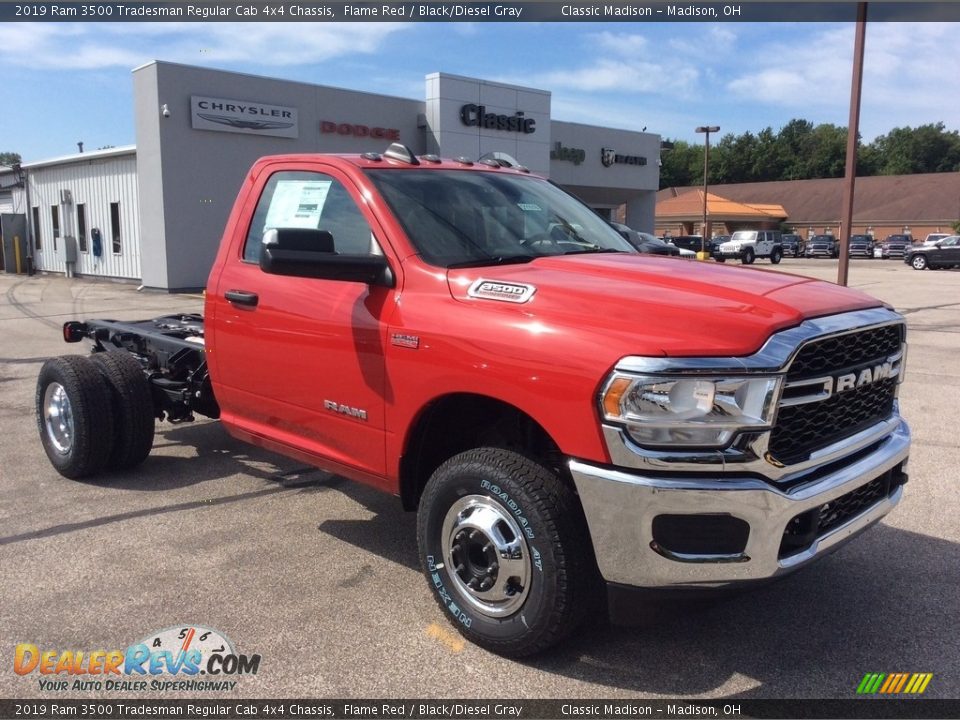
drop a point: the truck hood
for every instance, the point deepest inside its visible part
(643, 305)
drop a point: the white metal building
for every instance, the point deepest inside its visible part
(87, 202)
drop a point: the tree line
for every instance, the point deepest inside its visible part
(802, 151)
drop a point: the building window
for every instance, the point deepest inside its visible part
(115, 227)
(82, 227)
(55, 217)
(36, 228)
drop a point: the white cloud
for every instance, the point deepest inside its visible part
(84, 47)
(910, 70)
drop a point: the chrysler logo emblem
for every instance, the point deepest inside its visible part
(246, 124)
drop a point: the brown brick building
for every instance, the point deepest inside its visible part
(883, 205)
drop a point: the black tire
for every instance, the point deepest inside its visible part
(748, 256)
(545, 520)
(132, 404)
(78, 436)
(776, 256)
(919, 261)
(721, 259)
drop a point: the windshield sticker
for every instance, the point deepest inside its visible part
(530, 207)
(297, 204)
(502, 291)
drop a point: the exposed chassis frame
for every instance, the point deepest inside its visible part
(170, 350)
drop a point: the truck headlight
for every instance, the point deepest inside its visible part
(689, 411)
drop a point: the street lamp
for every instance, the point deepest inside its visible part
(707, 129)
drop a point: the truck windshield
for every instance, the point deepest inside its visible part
(744, 236)
(460, 218)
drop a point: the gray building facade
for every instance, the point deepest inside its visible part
(199, 130)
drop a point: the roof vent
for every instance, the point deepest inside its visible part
(399, 151)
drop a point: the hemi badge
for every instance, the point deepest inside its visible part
(407, 341)
(503, 291)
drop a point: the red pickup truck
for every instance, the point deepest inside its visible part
(568, 418)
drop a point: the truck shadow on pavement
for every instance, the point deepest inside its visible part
(212, 455)
(885, 603)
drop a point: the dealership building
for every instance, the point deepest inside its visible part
(155, 212)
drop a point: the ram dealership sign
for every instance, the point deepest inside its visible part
(243, 116)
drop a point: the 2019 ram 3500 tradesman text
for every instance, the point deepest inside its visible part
(559, 410)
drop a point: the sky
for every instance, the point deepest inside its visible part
(65, 82)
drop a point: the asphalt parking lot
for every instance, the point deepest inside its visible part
(319, 575)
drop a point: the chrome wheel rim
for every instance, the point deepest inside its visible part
(58, 418)
(919, 262)
(487, 556)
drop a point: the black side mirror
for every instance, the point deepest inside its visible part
(306, 252)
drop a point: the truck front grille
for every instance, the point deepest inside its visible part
(843, 351)
(803, 429)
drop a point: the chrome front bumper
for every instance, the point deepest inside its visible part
(620, 507)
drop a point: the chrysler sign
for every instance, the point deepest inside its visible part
(242, 116)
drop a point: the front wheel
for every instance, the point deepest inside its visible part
(775, 256)
(504, 546)
(721, 259)
(747, 257)
(919, 262)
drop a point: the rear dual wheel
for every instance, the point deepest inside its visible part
(505, 549)
(94, 414)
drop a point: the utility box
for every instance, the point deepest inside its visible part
(70, 249)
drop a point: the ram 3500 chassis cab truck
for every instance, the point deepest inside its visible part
(566, 416)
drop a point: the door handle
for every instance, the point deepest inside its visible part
(242, 297)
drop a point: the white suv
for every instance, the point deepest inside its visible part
(748, 245)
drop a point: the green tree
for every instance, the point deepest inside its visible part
(926, 149)
(9, 158)
(681, 165)
(733, 159)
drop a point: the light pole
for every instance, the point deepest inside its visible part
(707, 129)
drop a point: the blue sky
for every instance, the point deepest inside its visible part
(68, 82)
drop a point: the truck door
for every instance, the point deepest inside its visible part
(301, 360)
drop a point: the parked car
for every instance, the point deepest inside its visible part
(645, 242)
(860, 246)
(896, 246)
(748, 245)
(793, 245)
(932, 238)
(694, 243)
(942, 253)
(821, 246)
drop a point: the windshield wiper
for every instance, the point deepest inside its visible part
(595, 249)
(496, 260)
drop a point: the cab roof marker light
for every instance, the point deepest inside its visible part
(463, 160)
(399, 151)
(431, 158)
(375, 157)
(490, 162)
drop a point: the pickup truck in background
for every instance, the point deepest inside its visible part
(570, 419)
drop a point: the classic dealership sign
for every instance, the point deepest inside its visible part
(243, 116)
(477, 116)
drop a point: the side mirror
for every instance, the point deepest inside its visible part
(306, 252)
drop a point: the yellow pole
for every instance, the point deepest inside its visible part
(16, 252)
